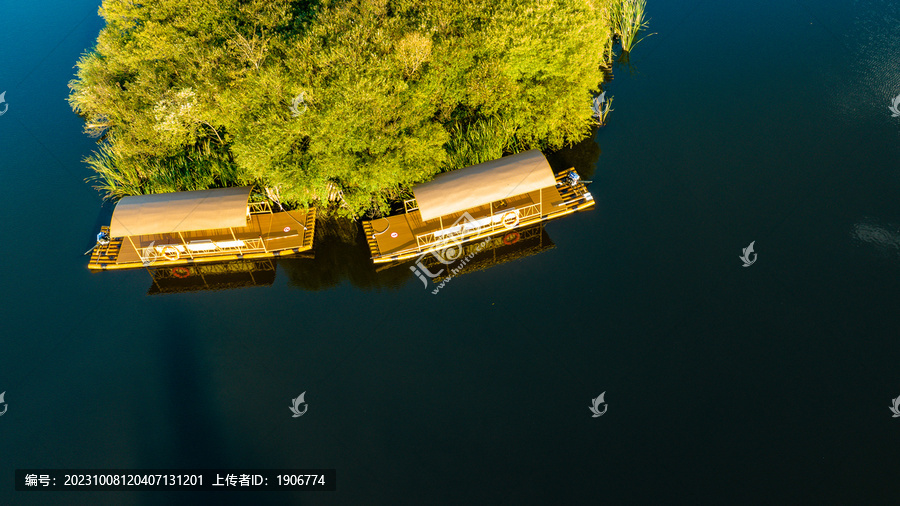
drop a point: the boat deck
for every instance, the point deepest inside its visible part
(405, 236)
(266, 235)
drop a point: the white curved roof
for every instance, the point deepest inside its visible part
(458, 190)
(180, 212)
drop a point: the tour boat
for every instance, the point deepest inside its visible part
(181, 229)
(497, 197)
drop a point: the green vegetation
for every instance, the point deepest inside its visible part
(367, 96)
(628, 20)
(601, 111)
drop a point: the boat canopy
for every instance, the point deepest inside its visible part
(458, 190)
(180, 212)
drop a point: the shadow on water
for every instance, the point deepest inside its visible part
(623, 61)
(582, 156)
(188, 407)
(341, 253)
(193, 419)
(191, 411)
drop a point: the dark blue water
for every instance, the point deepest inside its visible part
(766, 122)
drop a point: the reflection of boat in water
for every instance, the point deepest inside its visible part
(212, 276)
(188, 228)
(492, 198)
(497, 250)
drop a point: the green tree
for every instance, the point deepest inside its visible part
(368, 96)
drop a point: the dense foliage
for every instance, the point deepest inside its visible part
(365, 96)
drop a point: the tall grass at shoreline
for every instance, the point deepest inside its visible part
(481, 141)
(197, 168)
(628, 20)
(604, 111)
(607, 55)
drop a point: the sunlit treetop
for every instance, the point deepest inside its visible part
(365, 96)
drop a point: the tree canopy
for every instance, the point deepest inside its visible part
(368, 97)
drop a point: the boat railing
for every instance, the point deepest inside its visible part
(259, 207)
(508, 219)
(581, 190)
(570, 187)
(531, 233)
(410, 205)
(199, 248)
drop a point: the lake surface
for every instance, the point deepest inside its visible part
(763, 122)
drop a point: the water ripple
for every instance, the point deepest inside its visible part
(884, 236)
(874, 40)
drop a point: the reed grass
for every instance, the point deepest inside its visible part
(601, 117)
(607, 55)
(197, 168)
(628, 21)
(481, 141)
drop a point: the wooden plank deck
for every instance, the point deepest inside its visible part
(281, 233)
(393, 238)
